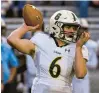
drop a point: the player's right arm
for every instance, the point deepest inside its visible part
(23, 45)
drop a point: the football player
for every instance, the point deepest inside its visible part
(58, 56)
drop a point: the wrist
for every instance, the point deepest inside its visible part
(25, 27)
(78, 47)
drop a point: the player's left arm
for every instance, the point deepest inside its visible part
(80, 62)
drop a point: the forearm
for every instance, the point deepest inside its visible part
(19, 32)
(80, 64)
(16, 35)
(23, 45)
(13, 73)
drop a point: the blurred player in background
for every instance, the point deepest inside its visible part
(9, 62)
(58, 56)
(83, 85)
(9, 68)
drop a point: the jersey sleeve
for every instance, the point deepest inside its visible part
(85, 53)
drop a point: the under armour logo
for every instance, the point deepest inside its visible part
(67, 50)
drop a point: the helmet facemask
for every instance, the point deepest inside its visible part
(61, 35)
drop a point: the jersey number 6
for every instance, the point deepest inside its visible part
(53, 73)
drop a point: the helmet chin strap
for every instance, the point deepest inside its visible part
(65, 40)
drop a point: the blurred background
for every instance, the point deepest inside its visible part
(11, 13)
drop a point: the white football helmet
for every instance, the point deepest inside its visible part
(58, 20)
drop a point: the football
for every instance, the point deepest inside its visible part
(32, 16)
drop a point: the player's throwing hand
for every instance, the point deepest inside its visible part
(31, 28)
